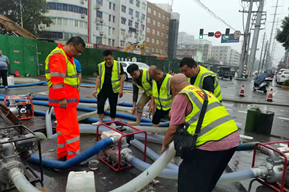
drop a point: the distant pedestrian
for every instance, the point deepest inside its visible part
(78, 70)
(4, 62)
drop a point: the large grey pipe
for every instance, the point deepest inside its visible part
(20, 181)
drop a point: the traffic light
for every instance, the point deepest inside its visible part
(201, 36)
(227, 34)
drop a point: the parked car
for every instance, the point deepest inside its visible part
(279, 74)
(225, 72)
(283, 77)
(125, 65)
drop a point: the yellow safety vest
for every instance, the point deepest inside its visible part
(146, 86)
(217, 122)
(71, 77)
(163, 97)
(204, 72)
(115, 76)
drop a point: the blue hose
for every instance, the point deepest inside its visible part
(125, 87)
(246, 146)
(24, 85)
(75, 160)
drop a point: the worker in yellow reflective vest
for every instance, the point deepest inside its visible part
(63, 83)
(109, 84)
(141, 80)
(161, 94)
(205, 154)
(200, 76)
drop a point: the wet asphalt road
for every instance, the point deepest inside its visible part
(106, 179)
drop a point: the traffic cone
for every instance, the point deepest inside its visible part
(242, 92)
(270, 96)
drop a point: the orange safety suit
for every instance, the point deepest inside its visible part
(61, 76)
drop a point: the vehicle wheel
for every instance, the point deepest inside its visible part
(125, 77)
(231, 78)
(265, 91)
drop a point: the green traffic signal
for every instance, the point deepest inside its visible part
(201, 37)
(226, 36)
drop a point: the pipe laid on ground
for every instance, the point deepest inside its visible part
(40, 135)
(246, 146)
(24, 85)
(152, 172)
(93, 113)
(48, 121)
(75, 160)
(20, 181)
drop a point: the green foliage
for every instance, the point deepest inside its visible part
(33, 13)
(283, 34)
(286, 83)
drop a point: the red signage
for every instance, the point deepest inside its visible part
(218, 34)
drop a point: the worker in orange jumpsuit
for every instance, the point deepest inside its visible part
(63, 82)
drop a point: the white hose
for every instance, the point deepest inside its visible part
(48, 123)
(21, 182)
(152, 172)
(39, 134)
(94, 113)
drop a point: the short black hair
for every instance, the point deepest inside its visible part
(107, 53)
(190, 62)
(133, 67)
(76, 41)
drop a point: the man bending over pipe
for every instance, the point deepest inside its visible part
(140, 80)
(205, 155)
(161, 94)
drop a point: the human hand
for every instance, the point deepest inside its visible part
(151, 107)
(95, 93)
(63, 103)
(133, 111)
(120, 94)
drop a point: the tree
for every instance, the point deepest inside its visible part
(33, 14)
(283, 34)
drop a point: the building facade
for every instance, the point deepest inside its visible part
(157, 30)
(173, 34)
(110, 23)
(222, 54)
(185, 38)
(234, 58)
(203, 45)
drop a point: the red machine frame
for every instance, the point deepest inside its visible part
(119, 143)
(20, 98)
(275, 186)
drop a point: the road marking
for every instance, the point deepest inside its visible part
(283, 145)
(246, 137)
(229, 109)
(242, 111)
(275, 93)
(283, 118)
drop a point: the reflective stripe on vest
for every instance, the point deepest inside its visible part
(163, 97)
(217, 122)
(70, 78)
(203, 73)
(146, 86)
(115, 76)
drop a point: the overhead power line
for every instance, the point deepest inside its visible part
(213, 14)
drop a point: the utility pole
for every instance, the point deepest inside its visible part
(269, 59)
(256, 36)
(245, 43)
(21, 14)
(260, 61)
(265, 56)
(274, 41)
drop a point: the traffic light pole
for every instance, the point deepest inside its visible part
(246, 42)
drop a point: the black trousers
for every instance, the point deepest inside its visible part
(202, 169)
(101, 99)
(3, 75)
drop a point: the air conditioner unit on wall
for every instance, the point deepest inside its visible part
(82, 1)
(97, 19)
(82, 15)
(101, 33)
(101, 20)
(97, 6)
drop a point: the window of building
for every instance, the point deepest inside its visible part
(159, 24)
(167, 36)
(113, 7)
(167, 27)
(143, 7)
(149, 9)
(85, 25)
(149, 20)
(154, 22)
(166, 44)
(122, 32)
(98, 14)
(109, 42)
(147, 39)
(152, 50)
(148, 29)
(130, 11)
(163, 26)
(164, 17)
(158, 42)
(168, 19)
(131, 1)
(143, 17)
(136, 25)
(122, 43)
(155, 12)
(153, 40)
(158, 33)
(147, 49)
(142, 27)
(112, 30)
(70, 22)
(110, 5)
(163, 34)
(166, 52)
(154, 32)
(66, 7)
(99, 2)
(160, 15)
(162, 43)
(81, 24)
(136, 35)
(123, 20)
(137, 14)
(113, 19)
(65, 21)
(109, 18)
(161, 51)
(123, 8)
(109, 29)
(76, 23)
(137, 3)
(59, 21)
(130, 23)
(157, 50)
(112, 43)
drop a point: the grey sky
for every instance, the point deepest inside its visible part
(194, 17)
